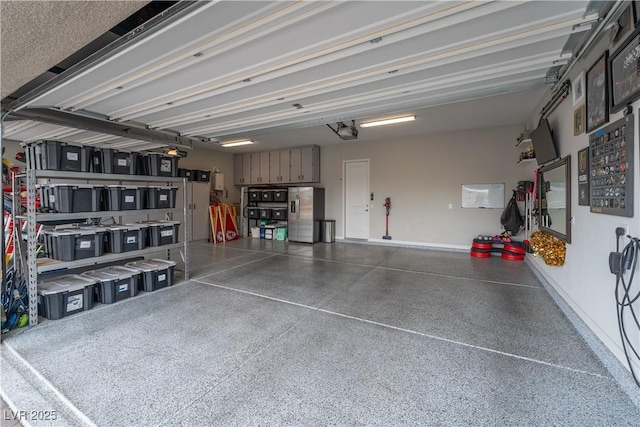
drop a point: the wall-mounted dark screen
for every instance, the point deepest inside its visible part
(543, 143)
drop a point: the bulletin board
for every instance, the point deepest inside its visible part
(489, 196)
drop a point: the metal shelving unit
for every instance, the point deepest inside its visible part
(44, 217)
(33, 216)
(53, 266)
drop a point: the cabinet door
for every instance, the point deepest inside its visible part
(285, 166)
(200, 223)
(237, 169)
(255, 168)
(263, 177)
(274, 167)
(295, 162)
(246, 169)
(306, 164)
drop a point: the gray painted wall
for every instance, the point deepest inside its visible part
(423, 175)
(585, 282)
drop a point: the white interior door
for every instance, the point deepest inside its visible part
(356, 196)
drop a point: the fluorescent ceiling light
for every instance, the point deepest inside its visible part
(236, 143)
(388, 121)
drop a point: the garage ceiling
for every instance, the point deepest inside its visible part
(218, 71)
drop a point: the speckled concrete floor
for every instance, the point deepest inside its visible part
(272, 333)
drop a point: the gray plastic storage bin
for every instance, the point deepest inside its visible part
(123, 198)
(65, 295)
(75, 243)
(65, 198)
(59, 155)
(156, 273)
(115, 283)
(161, 197)
(158, 164)
(108, 160)
(125, 238)
(163, 232)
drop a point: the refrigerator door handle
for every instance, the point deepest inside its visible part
(293, 206)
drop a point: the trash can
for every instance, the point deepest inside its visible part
(329, 230)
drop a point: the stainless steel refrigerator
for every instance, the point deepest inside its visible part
(306, 210)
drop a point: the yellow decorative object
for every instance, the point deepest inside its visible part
(551, 249)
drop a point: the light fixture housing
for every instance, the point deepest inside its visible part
(389, 121)
(236, 143)
(344, 131)
(172, 151)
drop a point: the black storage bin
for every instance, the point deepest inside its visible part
(143, 230)
(253, 213)
(108, 160)
(280, 195)
(121, 198)
(76, 243)
(125, 162)
(65, 198)
(115, 283)
(65, 295)
(158, 164)
(279, 214)
(202, 176)
(265, 213)
(125, 238)
(156, 273)
(87, 198)
(163, 232)
(266, 196)
(59, 155)
(161, 197)
(185, 173)
(255, 196)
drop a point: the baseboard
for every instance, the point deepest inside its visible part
(410, 244)
(601, 346)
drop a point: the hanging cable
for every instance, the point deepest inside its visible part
(626, 297)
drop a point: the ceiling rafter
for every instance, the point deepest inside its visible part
(370, 74)
(314, 56)
(187, 57)
(480, 75)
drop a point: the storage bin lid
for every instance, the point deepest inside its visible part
(109, 274)
(92, 229)
(138, 225)
(162, 187)
(148, 265)
(68, 283)
(58, 233)
(65, 185)
(162, 223)
(115, 227)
